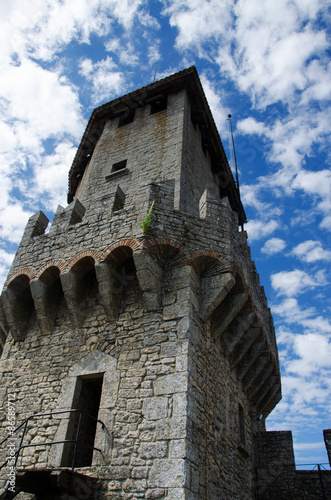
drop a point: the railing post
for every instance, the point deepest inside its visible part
(21, 442)
(76, 441)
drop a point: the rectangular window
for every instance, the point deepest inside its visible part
(119, 200)
(158, 104)
(126, 118)
(86, 399)
(120, 165)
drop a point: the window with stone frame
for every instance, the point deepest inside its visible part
(86, 401)
(119, 200)
(120, 165)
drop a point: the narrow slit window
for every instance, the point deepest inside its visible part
(119, 200)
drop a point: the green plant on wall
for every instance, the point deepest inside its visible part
(146, 223)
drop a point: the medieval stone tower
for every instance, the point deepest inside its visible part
(137, 342)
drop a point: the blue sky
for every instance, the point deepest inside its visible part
(268, 64)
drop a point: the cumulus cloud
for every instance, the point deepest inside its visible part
(306, 318)
(294, 282)
(43, 28)
(38, 103)
(13, 219)
(50, 182)
(106, 80)
(6, 259)
(311, 251)
(269, 71)
(197, 21)
(273, 246)
(313, 352)
(257, 229)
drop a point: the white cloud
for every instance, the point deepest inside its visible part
(313, 352)
(294, 282)
(271, 70)
(13, 219)
(251, 126)
(6, 259)
(153, 53)
(326, 223)
(215, 102)
(50, 183)
(289, 309)
(316, 184)
(42, 28)
(106, 80)
(311, 251)
(257, 229)
(308, 319)
(273, 246)
(199, 21)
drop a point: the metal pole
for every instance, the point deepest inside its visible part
(155, 72)
(240, 213)
(20, 445)
(76, 442)
(234, 153)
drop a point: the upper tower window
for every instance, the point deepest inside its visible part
(120, 165)
(126, 118)
(158, 104)
(118, 169)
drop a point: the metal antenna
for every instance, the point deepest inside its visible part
(234, 153)
(155, 72)
(236, 169)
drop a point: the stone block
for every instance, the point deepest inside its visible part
(172, 428)
(168, 473)
(155, 408)
(170, 384)
(150, 451)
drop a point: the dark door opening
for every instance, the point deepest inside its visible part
(86, 399)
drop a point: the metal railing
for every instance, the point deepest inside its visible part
(25, 423)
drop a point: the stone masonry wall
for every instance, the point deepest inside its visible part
(152, 146)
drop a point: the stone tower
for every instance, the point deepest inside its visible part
(141, 310)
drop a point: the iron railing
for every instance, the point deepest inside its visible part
(25, 423)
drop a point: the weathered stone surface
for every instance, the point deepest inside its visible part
(155, 408)
(170, 384)
(168, 473)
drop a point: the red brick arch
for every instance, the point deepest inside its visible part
(30, 272)
(60, 264)
(167, 250)
(121, 251)
(204, 261)
(94, 254)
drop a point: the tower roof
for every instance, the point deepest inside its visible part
(201, 115)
